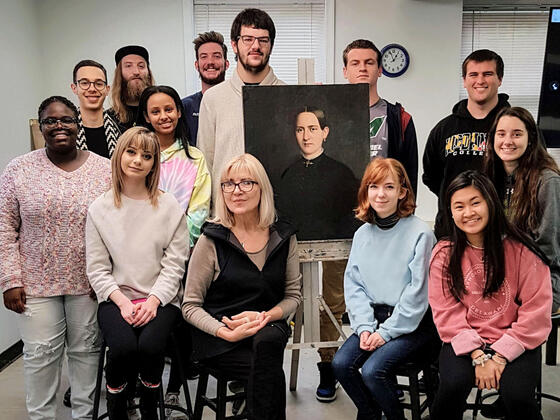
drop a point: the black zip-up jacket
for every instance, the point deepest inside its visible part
(403, 145)
(456, 144)
(240, 286)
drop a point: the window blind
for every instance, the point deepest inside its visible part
(300, 32)
(520, 39)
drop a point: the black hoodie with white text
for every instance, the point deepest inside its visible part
(456, 144)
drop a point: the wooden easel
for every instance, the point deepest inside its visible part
(310, 254)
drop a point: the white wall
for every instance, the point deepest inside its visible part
(430, 30)
(76, 30)
(20, 75)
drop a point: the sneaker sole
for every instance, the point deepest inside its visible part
(326, 399)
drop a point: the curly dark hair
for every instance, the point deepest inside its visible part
(53, 99)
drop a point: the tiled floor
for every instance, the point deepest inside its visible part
(301, 405)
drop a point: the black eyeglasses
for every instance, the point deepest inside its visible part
(245, 186)
(248, 40)
(85, 84)
(64, 121)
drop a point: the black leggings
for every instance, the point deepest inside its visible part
(517, 385)
(184, 342)
(130, 348)
(258, 360)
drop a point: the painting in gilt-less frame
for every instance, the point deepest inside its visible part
(313, 141)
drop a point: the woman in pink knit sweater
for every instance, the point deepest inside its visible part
(44, 198)
(491, 299)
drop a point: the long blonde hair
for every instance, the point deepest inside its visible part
(118, 94)
(143, 139)
(250, 164)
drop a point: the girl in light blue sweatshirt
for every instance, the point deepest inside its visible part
(386, 292)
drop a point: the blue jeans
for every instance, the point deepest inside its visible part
(373, 390)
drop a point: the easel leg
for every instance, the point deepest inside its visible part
(298, 324)
(329, 313)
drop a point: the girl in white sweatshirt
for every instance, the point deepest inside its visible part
(137, 245)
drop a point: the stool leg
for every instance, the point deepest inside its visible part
(182, 373)
(99, 381)
(200, 392)
(298, 322)
(414, 396)
(477, 403)
(221, 391)
(538, 394)
(161, 402)
(551, 346)
(429, 384)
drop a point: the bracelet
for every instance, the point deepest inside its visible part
(481, 359)
(499, 360)
(480, 354)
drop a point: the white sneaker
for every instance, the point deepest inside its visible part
(172, 398)
(132, 412)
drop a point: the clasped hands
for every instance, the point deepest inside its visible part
(243, 325)
(370, 341)
(139, 314)
(488, 374)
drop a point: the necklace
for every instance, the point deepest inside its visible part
(474, 246)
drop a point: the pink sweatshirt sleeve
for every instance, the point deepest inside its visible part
(10, 261)
(450, 315)
(534, 295)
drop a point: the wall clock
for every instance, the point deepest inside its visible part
(395, 60)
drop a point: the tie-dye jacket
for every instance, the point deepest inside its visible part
(189, 181)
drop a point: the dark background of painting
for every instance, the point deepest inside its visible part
(269, 118)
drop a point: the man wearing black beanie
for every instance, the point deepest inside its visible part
(132, 76)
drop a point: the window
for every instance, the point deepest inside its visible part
(519, 37)
(300, 32)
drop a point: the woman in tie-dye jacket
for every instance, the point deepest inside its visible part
(183, 168)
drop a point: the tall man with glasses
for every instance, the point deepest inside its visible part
(98, 130)
(220, 131)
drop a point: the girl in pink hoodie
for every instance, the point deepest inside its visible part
(491, 299)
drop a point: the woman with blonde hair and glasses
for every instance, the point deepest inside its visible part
(243, 282)
(137, 246)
